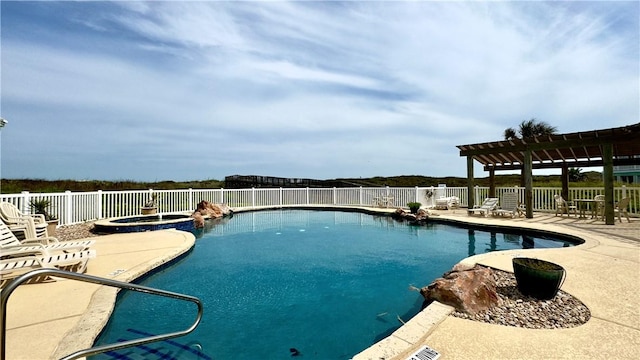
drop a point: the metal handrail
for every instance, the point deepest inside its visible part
(12, 285)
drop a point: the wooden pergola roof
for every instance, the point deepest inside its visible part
(606, 148)
(579, 149)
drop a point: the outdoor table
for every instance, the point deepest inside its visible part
(591, 204)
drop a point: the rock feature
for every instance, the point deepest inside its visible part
(469, 290)
(419, 218)
(206, 209)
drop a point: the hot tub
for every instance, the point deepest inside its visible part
(145, 223)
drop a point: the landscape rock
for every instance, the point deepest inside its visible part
(468, 290)
(420, 218)
(198, 220)
(206, 209)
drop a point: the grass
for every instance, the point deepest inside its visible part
(14, 186)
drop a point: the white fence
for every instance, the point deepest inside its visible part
(76, 207)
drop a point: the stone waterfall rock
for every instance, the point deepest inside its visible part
(206, 209)
(419, 218)
(469, 290)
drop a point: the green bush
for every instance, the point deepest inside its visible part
(41, 206)
(414, 206)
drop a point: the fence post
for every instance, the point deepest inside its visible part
(25, 208)
(280, 196)
(253, 197)
(360, 195)
(68, 211)
(335, 200)
(417, 198)
(99, 205)
(307, 195)
(476, 195)
(190, 199)
(222, 195)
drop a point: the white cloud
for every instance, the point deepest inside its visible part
(309, 89)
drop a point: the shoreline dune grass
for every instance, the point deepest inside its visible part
(15, 186)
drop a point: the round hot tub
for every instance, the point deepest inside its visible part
(145, 223)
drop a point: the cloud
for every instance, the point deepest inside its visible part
(189, 90)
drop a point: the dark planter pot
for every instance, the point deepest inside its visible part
(538, 278)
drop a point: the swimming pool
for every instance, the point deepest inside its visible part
(326, 283)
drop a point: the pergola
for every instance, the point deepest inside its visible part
(606, 148)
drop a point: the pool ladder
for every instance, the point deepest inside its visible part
(12, 285)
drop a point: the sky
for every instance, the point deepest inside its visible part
(173, 90)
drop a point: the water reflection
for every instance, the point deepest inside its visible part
(472, 243)
(493, 242)
(527, 242)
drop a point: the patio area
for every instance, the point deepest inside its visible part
(603, 273)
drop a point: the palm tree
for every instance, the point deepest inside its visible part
(575, 174)
(526, 129)
(510, 134)
(529, 128)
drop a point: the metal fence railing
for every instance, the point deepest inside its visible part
(77, 207)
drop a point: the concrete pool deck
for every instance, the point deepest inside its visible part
(51, 320)
(55, 319)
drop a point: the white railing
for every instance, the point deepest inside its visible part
(77, 207)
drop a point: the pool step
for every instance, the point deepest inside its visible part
(165, 349)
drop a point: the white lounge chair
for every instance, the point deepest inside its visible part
(488, 205)
(598, 209)
(14, 263)
(508, 205)
(562, 206)
(621, 208)
(48, 245)
(17, 221)
(13, 267)
(447, 203)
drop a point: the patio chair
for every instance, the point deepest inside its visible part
(621, 208)
(48, 245)
(14, 263)
(442, 203)
(13, 267)
(598, 208)
(16, 220)
(447, 203)
(508, 205)
(488, 205)
(562, 206)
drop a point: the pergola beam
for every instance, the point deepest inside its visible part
(555, 165)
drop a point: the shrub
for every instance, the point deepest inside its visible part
(414, 206)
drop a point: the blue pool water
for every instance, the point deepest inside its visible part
(328, 284)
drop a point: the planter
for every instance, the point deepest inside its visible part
(52, 225)
(538, 278)
(414, 207)
(148, 210)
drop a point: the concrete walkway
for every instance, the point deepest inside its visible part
(50, 320)
(604, 273)
(55, 319)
